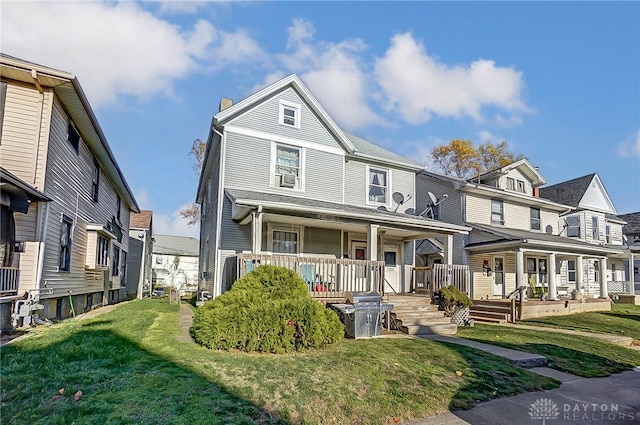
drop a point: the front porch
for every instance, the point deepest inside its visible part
(505, 310)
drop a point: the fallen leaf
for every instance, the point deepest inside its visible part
(458, 373)
(396, 420)
(77, 396)
(61, 390)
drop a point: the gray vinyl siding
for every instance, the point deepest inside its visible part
(357, 185)
(264, 117)
(248, 166)
(233, 236)
(69, 183)
(408, 252)
(321, 241)
(450, 208)
(209, 226)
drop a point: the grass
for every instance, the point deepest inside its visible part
(623, 319)
(578, 355)
(131, 368)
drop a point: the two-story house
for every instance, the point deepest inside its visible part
(593, 220)
(139, 258)
(175, 263)
(516, 239)
(71, 249)
(282, 183)
(631, 236)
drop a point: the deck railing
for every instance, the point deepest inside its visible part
(431, 279)
(9, 278)
(618, 286)
(325, 277)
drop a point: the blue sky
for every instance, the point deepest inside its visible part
(560, 81)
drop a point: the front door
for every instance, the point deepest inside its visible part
(391, 275)
(498, 277)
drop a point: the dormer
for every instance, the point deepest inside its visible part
(520, 177)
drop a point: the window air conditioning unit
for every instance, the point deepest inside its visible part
(287, 180)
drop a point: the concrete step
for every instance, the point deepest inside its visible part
(435, 329)
(490, 308)
(487, 319)
(489, 315)
(414, 309)
(418, 314)
(407, 321)
(489, 303)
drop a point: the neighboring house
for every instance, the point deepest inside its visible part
(282, 183)
(592, 220)
(631, 236)
(175, 262)
(139, 260)
(516, 237)
(72, 247)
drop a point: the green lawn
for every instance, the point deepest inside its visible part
(623, 319)
(131, 369)
(578, 355)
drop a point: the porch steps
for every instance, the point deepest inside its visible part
(490, 311)
(415, 315)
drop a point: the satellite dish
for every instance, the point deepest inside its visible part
(410, 211)
(382, 208)
(398, 198)
(549, 229)
(433, 198)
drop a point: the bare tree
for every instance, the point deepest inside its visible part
(192, 212)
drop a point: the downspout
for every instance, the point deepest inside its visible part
(216, 280)
(36, 153)
(41, 245)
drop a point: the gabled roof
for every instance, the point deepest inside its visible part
(67, 88)
(524, 166)
(371, 151)
(176, 245)
(141, 220)
(633, 223)
(572, 192)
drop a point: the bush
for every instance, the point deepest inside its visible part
(451, 299)
(269, 310)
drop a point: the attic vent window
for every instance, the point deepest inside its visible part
(289, 114)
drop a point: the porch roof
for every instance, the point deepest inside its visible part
(515, 238)
(244, 201)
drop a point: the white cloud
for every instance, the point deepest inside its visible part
(143, 199)
(631, 146)
(142, 58)
(334, 72)
(174, 225)
(419, 86)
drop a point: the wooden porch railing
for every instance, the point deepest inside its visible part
(618, 286)
(325, 277)
(9, 278)
(431, 279)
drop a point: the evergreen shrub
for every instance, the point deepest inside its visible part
(269, 310)
(450, 299)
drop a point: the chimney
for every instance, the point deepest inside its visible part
(225, 103)
(536, 192)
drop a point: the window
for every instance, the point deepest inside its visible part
(287, 161)
(497, 212)
(607, 234)
(285, 242)
(521, 186)
(118, 208)
(74, 137)
(571, 271)
(534, 213)
(573, 227)
(595, 232)
(66, 233)
(115, 265)
(102, 255)
(596, 271)
(123, 266)
(511, 183)
(95, 181)
(378, 187)
(289, 114)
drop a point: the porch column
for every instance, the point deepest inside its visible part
(519, 269)
(372, 242)
(448, 249)
(604, 293)
(631, 275)
(553, 290)
(579, 273)
(256, 232)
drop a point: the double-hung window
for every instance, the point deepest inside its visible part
(74, 137)
(102, 254)
(571, 271)
(118, 208)
(511, 183)
(378, 186)
(66, 233)
(497, 212)
(285, 242)
(115, 265)
(595, 231)
(534, 213)
(573, 226)
(607, 234)
(289, 114)
(288, 166)
(521, 187)
(95, 184)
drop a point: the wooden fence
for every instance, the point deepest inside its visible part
(430, 279)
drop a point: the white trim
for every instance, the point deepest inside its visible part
(283, 139)
(297, 113)
(283, 227)
(387, 202)
(274, 179)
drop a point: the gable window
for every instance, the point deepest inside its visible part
(571, 271)
(607, 234)
(595, 231)
(115, 265)
(96, 181)
(497, 212)
(285, 242)
(378, 185)
(534, 214)
(521, 186)
(289, 114)
(74, 137)
(66, 233)
(288, 161)
(102, 254)
(511, 183)
(573, 226)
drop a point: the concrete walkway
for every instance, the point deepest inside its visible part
(185, 322)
